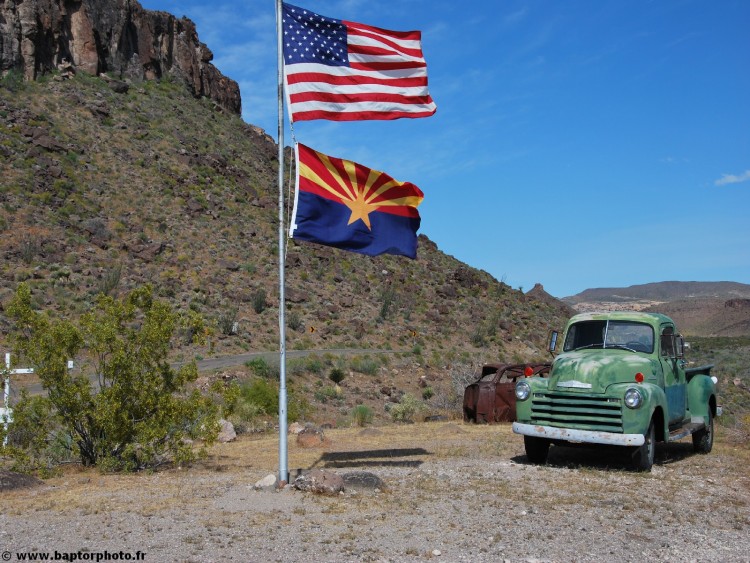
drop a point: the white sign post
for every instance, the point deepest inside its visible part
(6, 413)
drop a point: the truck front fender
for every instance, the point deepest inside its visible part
(654, 407)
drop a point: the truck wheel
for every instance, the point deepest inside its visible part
(703, 440)
(536, 449)
(643, 458)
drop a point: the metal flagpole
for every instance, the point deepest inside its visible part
(283, 465)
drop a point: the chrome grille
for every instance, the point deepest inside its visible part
(584, 412)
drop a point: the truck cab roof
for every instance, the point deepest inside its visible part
(654, 319)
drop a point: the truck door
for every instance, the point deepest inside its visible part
(675, 385)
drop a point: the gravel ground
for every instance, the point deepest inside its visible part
(453, 492)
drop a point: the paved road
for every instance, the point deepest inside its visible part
(272, 358)
(223, 362)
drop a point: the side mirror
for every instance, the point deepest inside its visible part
(681, 345)
(553, 341)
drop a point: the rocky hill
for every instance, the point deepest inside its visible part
(110, 182)
(699, 308)
(116, 37)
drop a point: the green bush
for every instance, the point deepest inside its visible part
(262, 394)
(364, 364)
(336, 375)
(261, 368)
(406, 409)
(294, 321)
(259, 301)
(31, 448)
(314, 364)
(329, 392)
(227, 321)
(142, 414)
(388, 301)
(259, 397)
(362, 415)
(13, 80)
(110, 280)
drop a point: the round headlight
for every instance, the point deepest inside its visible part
(633, 398)
(522, 390)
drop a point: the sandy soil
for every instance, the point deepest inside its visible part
(453, 492)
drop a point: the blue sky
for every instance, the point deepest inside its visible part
(578, 143)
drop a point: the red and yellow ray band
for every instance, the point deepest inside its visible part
(361, 189)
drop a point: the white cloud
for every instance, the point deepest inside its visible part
(733, 179)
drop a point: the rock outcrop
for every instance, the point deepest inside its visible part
(117, 37)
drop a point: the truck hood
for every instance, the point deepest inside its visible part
(592, 371)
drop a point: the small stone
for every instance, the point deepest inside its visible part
(268, 482)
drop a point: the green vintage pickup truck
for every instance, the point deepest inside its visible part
(620, 380)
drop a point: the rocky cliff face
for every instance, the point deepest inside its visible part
(117, 37)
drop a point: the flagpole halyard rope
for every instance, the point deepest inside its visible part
(289, 191)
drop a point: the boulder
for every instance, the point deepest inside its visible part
(362, 480)
(227, 432)
(310, 437)
(320, 481)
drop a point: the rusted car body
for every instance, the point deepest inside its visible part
(492, 397)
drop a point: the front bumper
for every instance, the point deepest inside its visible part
(573, 435)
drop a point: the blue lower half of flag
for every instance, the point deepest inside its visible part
(324, 221)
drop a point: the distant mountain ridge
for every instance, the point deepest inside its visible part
(663, 291)
(698, 308)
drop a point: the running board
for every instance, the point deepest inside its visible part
(686, 430)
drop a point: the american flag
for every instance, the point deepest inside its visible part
(346, 71)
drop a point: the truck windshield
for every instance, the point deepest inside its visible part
(626, 335)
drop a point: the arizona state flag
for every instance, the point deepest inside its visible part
(346, 205)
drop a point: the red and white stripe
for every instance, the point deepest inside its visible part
(386, 79)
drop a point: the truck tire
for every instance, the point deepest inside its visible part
(643, 458)
(703, 440)
(536, 449)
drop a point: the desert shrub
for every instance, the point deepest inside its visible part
(296, 367)
(388, 301)
(479, 337)
(336, 375)
(227, 321)
(328, 392)
(427, 393)
(259, 397)
(259, 301)
(314, 364)
(260, 393)
(361, 415)
(13, 80)
(406, 409)
(142, 415)
(451, 398)
(294, 321)
(364, 364)
(110, 280)
(261, 368)
(30, 448)
(245, 416)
